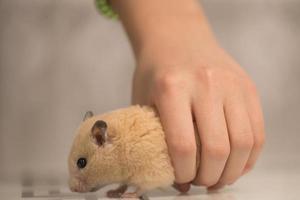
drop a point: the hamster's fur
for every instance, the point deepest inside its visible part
(132, 152)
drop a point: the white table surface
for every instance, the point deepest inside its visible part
(264, 184)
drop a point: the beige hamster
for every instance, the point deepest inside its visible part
(126, 146)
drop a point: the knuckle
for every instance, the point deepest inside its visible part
(183, 148)
(206, 76)
(237, 80)
(204, 73)
(242, 142)
(232, 76)
(169, 82)
(219, 152)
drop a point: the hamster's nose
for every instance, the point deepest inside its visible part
(74, 185)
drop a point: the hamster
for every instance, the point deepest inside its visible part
(125, 146)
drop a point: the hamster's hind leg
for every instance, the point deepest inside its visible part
(118, 192)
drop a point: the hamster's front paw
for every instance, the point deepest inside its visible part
(117, 193)
(113, 194)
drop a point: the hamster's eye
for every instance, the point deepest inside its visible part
(81, 163)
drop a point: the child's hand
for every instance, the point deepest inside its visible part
(207, 86)
(185, 74)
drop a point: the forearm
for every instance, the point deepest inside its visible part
(153, 22)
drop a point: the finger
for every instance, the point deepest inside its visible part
(215, 146)
(176, 118)
(257, 123)
(241, 140)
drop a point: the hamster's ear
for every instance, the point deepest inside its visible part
(87, 115)
(99, 132)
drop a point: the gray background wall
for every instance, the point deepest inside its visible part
(59, 58)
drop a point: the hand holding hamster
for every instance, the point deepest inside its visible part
(126, 146)
(183, 71)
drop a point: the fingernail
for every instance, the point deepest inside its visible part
(183, 188)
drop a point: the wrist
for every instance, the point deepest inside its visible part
(159, 22)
